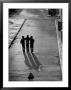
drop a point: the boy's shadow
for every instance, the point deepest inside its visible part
(36, 59)
(27, 61)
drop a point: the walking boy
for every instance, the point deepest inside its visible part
(31, 43)
(27, 43)
(23, 43)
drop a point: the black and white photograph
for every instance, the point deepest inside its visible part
(35, 43)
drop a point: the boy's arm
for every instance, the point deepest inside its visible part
(20, 41)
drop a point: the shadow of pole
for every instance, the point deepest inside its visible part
(32, 61)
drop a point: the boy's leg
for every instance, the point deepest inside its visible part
(31, 49)
(27, 48)
(24, 49)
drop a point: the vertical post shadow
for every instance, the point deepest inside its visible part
(27, 62)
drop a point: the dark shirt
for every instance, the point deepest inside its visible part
(27, 40)
(22, 41)
(31, 40)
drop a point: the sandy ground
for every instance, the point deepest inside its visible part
(43, 30)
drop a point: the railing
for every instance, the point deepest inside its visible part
(59, 40)
(17, 34)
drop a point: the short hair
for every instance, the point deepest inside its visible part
(27, 35)
(31, 37)
(22, 36)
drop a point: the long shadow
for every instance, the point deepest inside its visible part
(27, 62)
(32, 61)
(36, 59)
